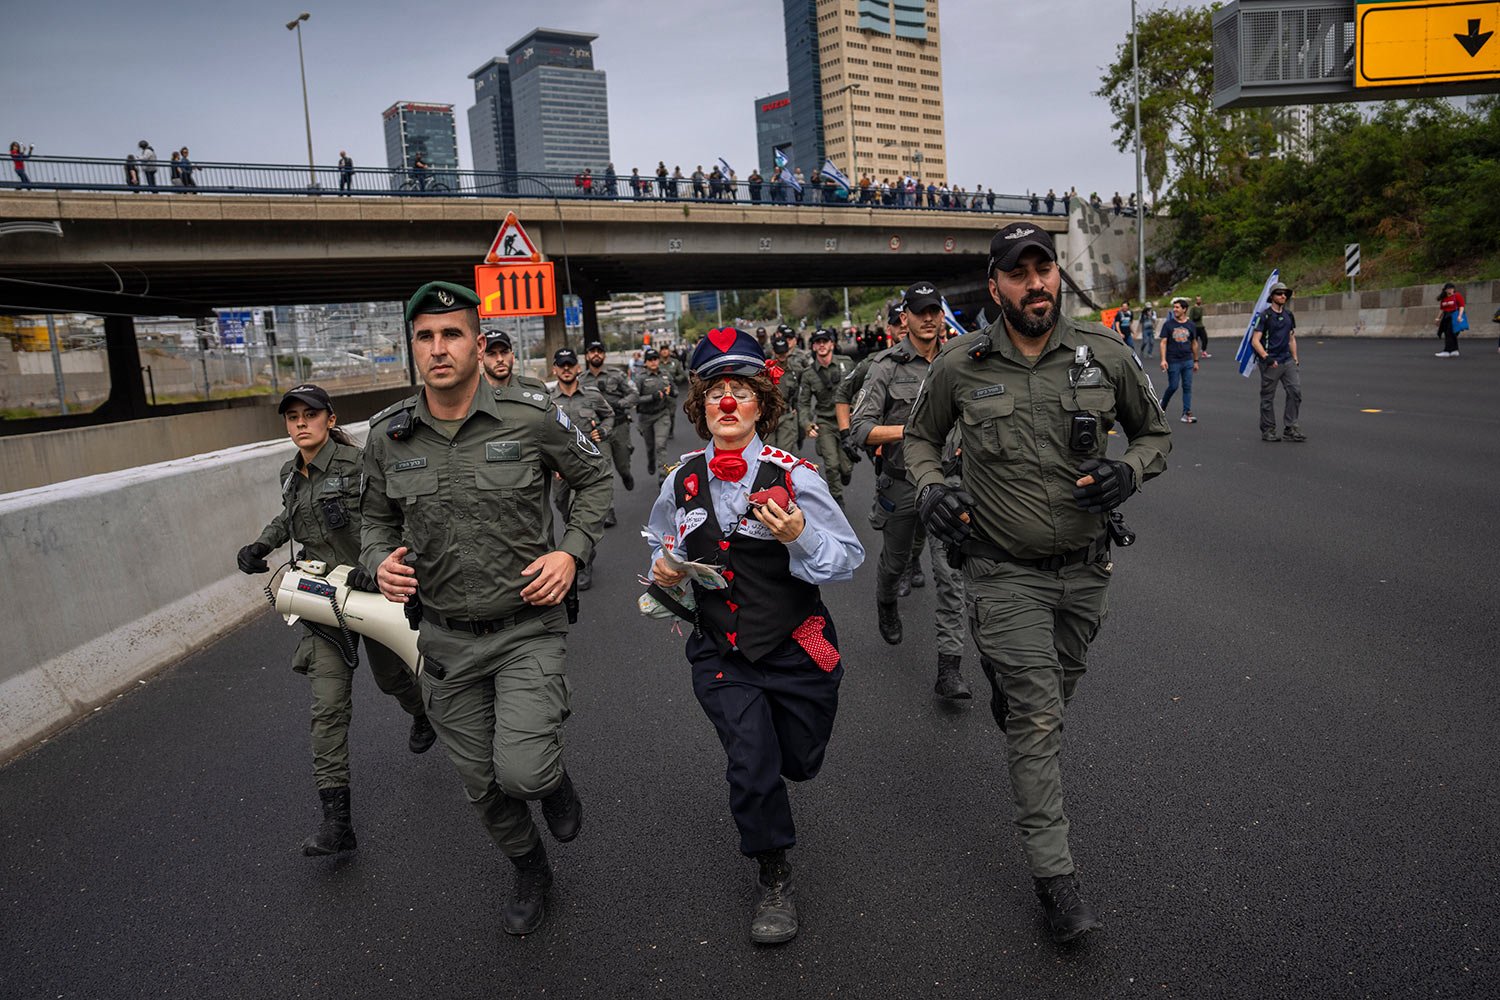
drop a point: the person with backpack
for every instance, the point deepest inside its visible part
(1453, 319)
(1274, 341)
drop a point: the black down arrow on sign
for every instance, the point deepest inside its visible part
(1475, 39)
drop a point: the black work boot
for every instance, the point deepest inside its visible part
(609, 518)
(1293, 433)
(1069, 916)
(628, 479)
(903, 584)
(524, 913)
(998, 707)
(423, 736)
(563, 810)
(950, 682)
(775, 918)
(917, 577)
(337, 832)
(888, 616)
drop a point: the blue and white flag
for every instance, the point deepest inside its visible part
(829, 170)
(786, 171)
(950, 320)
(1245, 356)
(725, 164)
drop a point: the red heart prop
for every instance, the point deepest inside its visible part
(722, 339)
(732, 636)
(723, 545)
(733, 607)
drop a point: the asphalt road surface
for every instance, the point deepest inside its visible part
(1282, 771)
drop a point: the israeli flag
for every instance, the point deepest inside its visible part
(950, 320)
(727, 168)
(1245, 356)
(786, 171)
(829, 170)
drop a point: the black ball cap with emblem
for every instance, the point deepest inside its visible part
(893, 314)
(594, 345)
(564, 357)
(498, 337)
(921, 297)
(1015, 239)
(780, 344)
(440, 297)
(822, 334)
(312, 395)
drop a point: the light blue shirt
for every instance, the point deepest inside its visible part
(827, 550)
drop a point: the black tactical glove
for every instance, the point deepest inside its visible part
(252, 558)
(360, 579)
(943, 510)
(846, 441)
(1113, 482)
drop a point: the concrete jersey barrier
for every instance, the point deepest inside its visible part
(111, 577)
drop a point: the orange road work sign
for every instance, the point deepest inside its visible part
(516, 289)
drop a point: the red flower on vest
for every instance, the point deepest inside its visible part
(730, 466)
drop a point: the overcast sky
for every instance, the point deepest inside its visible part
(92, 78)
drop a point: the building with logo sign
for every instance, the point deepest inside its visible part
(412, 127)
(773, 131)
(492, 125)
(559, 110)
(865, 86)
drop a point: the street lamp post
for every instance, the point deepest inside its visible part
(296, 25)
(1140, 196)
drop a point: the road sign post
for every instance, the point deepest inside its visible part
(1351, 263)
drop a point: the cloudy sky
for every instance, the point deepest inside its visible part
(91, 78)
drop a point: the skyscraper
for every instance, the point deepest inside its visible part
(492, 124)
(412, 127)
(560, 105)
(866, 87)
(774, 130)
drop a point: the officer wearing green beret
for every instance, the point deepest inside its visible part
(1035, 395)
(456, 520)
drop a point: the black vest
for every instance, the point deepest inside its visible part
(763, 603)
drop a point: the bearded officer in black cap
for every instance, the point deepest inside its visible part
(591, 413)
(617, 387)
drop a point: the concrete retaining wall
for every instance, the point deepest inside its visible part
(110, 578)
(1387, 312)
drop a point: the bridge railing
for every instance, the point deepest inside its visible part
(57, 173)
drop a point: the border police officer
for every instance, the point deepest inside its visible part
(456, 520)
(590, 413)
(820, 381)
(790, 387)
(1035, 396)
(654, 407)
(617, 387)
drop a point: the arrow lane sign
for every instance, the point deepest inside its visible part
(1475, 39)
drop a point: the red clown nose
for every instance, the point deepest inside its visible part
(727, 402)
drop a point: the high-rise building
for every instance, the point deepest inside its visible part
(865, 83)
(492, 124)
(774, 130)
(412, 127)
(560, 104)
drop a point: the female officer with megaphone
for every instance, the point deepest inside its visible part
(320, 513)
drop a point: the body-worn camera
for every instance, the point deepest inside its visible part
(1083, 434)
(334, 514)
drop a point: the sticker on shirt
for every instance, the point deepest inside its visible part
(585, 443)
(749, 527)
(987, 391)
(410, 463)
(689, 521)
(562, 417)
(502, 451)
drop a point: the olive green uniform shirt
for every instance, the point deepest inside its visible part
(853, 382)
(474, 507)
(819, 383)
(615, 386)
(331, 485)
(588, 410)
(1015, 416)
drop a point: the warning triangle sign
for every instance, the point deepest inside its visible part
(511, 244)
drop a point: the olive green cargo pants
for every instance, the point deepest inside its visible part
(332, 682)
(835, 464)
(499, 711)
(1035, 627)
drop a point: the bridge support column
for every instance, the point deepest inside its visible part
(590, 318)
(554, 335)
(127, 390)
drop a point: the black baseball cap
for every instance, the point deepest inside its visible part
(593, 345)
(1015, 239)
(312, 395)
(564, 357)
(822, 333)
(780, 344)
(893, 314)
(500, 337)
(921, 297)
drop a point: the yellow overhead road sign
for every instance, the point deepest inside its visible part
(1400, 43)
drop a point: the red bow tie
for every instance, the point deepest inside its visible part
(730, 466)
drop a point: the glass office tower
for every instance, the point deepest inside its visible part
(412, 127)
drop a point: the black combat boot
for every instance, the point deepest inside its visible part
(903, 583)
(888, 616)
(337, 832)
(998, 707)
(1069, 916)
(628, 479)
(563, 810)
(524, 913)
(775, 918)
(609, 518)
(422, 737)
(950, 682)
(918, 578)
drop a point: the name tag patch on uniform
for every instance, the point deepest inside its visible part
(988, 391)
(502, 451)
(410, 463)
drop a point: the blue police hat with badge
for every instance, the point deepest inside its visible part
(727, 352)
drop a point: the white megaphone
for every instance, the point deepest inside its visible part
(310, 590)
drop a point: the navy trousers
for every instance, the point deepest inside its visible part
(774, 717)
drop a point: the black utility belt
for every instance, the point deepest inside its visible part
(988, 550)
(482, 627)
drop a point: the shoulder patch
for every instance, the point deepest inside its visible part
(585, 443)
(562, 417)
(409, 403)
(528, 392)
(784, 459)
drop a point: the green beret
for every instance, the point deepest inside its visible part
(440, 297)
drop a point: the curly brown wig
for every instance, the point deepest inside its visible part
(772, 406)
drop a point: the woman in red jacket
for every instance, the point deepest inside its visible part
(1451, 314)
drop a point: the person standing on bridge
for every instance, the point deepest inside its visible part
(148, 163)
(1034, 396)
(457, 524)
(619, 389)
(763, 650)
(320, 514)
(346, 171)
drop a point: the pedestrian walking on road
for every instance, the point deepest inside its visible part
(1123, 321)
(457, 524)
(148, 163)
(18, 158)
(1274, 341)
(1034, 397)
(1452, 319)
(1195, 316)
(1148, 328)
(320, 515)
(764, 653)
(1179, 358)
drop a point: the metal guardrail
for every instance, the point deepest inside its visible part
(55, 173)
